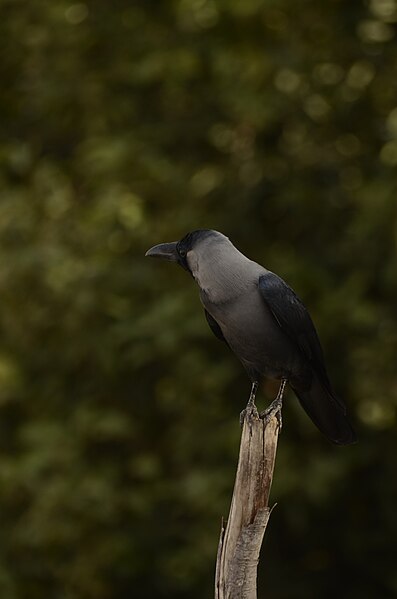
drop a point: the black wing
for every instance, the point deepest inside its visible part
(214, 326)
(293, 318)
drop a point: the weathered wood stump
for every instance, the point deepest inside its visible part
(240, 541)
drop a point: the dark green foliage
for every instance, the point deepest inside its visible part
(124, 124)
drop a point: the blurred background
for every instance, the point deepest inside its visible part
(125, 124)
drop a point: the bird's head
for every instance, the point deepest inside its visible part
(187, 251)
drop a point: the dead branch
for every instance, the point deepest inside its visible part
(240, 542)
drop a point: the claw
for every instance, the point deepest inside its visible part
(274, 410)
(250, 407)
(275, 407)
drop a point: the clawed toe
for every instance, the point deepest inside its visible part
(273, 410)
(251, 409)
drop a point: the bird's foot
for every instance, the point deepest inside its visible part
(249, 410)
(275, 407)
(274, 410)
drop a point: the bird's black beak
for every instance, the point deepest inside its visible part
(166, 251)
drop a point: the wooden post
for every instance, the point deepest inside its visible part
(240, 542)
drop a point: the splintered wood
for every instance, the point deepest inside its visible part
(240, 541)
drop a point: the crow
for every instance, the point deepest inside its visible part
(264, 323)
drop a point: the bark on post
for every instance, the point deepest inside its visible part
(240, 541)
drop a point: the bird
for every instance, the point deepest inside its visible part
(263, 321)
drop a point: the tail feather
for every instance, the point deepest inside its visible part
(327, 413)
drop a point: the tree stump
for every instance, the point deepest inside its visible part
(240, 541)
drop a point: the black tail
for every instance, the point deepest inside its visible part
(327, 413)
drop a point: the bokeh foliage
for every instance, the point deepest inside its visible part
(124, 124)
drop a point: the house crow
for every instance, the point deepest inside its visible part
(264, 323)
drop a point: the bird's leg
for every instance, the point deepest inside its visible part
(251, 402)
(275, 407)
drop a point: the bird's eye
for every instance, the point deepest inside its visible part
(182, 253)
